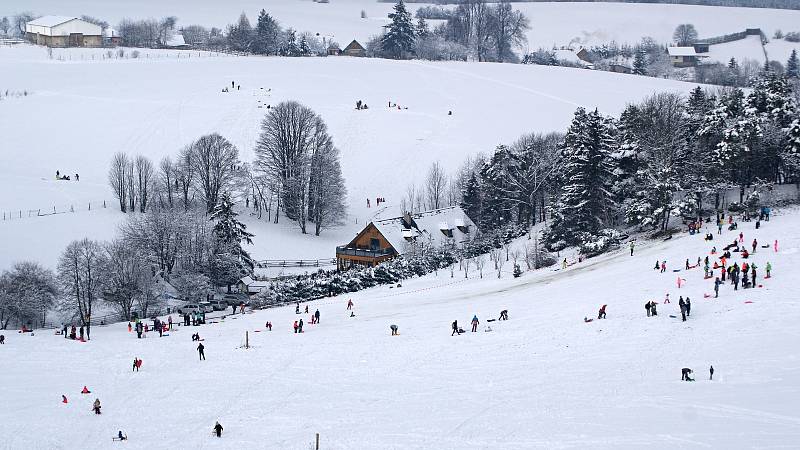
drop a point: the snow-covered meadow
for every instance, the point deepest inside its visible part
(543, 379)
(80, 111)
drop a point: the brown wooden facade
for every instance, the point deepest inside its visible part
(369, 248)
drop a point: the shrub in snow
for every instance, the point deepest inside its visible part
(599, 243)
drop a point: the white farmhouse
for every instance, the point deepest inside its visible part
(63, 31)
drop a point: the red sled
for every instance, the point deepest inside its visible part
(706, 295)
(748, 302)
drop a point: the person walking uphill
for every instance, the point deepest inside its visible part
(475, 323)
(632, 246)
(455, 328)
(218, 429)
(96, 406)
(201, 351)
(316, 316)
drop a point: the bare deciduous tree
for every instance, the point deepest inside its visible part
(116, 178)
(79, 268)
(215, 162)
(435, 186)
(144, 179)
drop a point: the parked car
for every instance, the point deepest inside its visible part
(219, 304)
(189, 308)
(206, 307)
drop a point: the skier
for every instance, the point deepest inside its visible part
(682, 305)
(685, 372)
(218, 429)
(632, 246)
(455, 328)
(688, 307)
(96, 406)
(350, 304)
(394, 329)
(475, 323)
(316, 316)
(769, 269)
(602, 313)
(201, 351)
(711, 373)
(503, 315)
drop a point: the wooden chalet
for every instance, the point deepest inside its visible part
(385, 239)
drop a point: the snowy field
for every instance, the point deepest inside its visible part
(750, 48)
(83, 110)
(551, 23)
(543, 379)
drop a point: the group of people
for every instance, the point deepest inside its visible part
(378, 201)
(66, 177)
(474, 322)
(361, 105)
(71, 332)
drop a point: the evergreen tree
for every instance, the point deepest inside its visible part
(399, 38)
(229, 262)
(586, 202)
(792, 69)
(267, 35)
(291, 48)
(472, 199)
(422, 30)
(240, 36)
(498, 191)
(640, 63)
(305, 50)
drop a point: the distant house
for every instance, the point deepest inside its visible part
(111, 37)
(385, 239)
(61, 31)
(571, 57)
(354, 49)
(583, 54)
(620, 68)
(683, 56)
(249, 286)
(334, 50)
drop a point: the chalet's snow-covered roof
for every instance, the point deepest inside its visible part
(570, 56)
(430, 228)
(51, 21)
(681, 51)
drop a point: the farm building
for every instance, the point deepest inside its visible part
(61, 31)
(354, 49)
(250, 286)
(620, 68)
(385, 239)
(683, 56)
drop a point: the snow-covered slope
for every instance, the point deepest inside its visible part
(82, 110)
(543, 379)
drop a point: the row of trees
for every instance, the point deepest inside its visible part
(297, 165)
(474, 29)
(204, 170)
(663, 157)
(192, 250)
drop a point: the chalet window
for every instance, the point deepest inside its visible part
(447, 232)
(464, 229)
(374, 244)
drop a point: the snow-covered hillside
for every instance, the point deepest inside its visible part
(83, 110)
(542, 379)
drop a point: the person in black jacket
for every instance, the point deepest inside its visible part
(201, 351)
(685, 372)
(455, 328)
(218, 429)
(711, 373)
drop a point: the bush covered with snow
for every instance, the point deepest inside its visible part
(602, 242)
